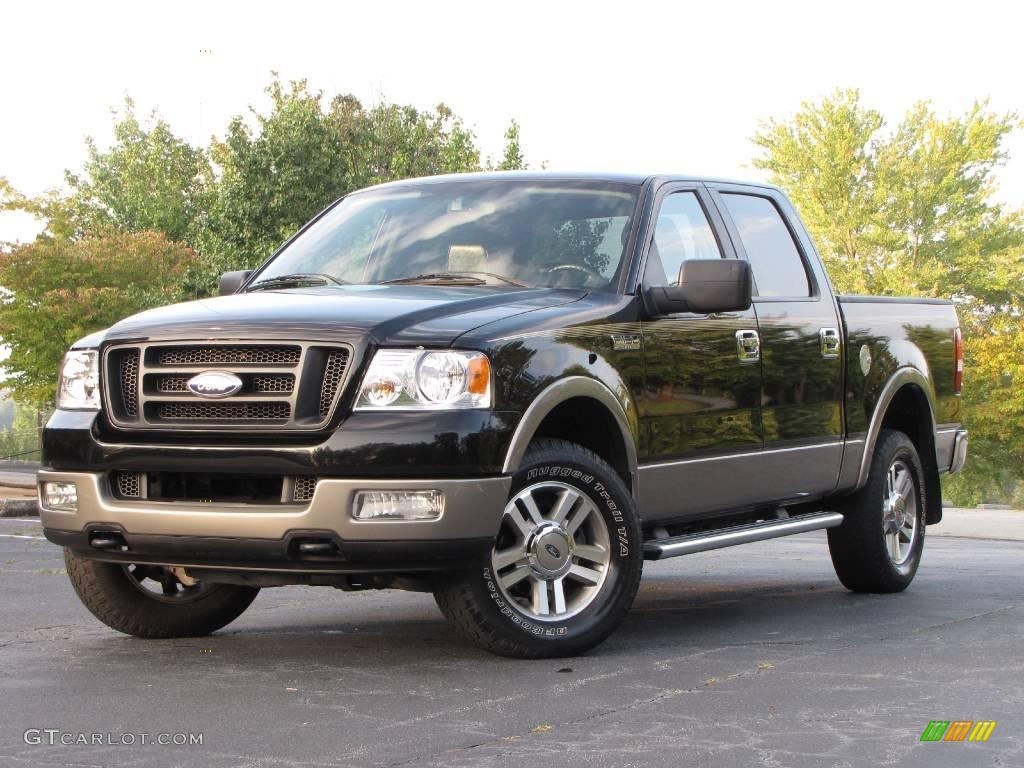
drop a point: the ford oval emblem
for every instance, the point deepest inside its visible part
(553, 551)
(214, 384)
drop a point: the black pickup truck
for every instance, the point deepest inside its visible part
(508, 389)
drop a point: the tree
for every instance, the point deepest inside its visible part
(272, 171)
(512, 159)
(149, 179)
(10, 198)
(124, 238)
(20, 439)
(911, 213)
(402, 142)
(301, 156)
(824, 159)
(58, 291)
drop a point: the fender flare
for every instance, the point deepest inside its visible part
(901, 378)
(556, 394)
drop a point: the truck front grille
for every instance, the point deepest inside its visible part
(337, 362)
(128, 366)
(129, 485)
(293, 386)
(247, 355)
(223, 411)
(211, 487)
(304, 486)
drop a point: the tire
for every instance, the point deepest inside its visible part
(564, 569)
(878, 547)
(119, 596)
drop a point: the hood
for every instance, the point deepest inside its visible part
(387, 315)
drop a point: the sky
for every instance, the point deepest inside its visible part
(637, 86)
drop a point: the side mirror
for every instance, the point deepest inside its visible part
(705, 286)
(230, 282)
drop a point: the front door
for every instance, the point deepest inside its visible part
(700, 403)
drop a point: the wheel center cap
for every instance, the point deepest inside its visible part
(551, 551)
(896, 509)
(900, 509)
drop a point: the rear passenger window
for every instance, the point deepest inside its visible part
(774, 259)
(682, 232)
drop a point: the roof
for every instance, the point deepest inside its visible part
(615, 178)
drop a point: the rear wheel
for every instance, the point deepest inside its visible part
(879, 545)
(565, 566)
(151, 601)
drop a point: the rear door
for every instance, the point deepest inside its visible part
(801, 355)
(700, 403)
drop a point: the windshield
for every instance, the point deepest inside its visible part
(561, 234)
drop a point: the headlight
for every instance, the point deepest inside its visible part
(414, 379)
(78, 388)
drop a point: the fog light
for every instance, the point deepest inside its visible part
(398, 505)
(62, 497)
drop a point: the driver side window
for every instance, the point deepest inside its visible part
(681, 233)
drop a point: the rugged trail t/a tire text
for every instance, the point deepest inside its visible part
(565, 567)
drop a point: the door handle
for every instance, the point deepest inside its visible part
(830, 343)
(748, 346)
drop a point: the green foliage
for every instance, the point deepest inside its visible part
(51, 207)
(234, 203)
(57, 291)
(20, 436)
(301, 156)
(512, 159)
(149, 179)
(10, 198)
(910, 212)
(576, 242)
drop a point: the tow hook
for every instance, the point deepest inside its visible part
(107, 540)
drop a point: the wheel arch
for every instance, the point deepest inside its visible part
(905, 404)
(587, 412)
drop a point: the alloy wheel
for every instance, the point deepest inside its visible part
(552, 554)
(899, 512)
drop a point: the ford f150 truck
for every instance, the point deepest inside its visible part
(507, 389)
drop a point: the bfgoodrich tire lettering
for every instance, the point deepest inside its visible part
(565, 567)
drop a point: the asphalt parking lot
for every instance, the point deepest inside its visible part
(749, 656)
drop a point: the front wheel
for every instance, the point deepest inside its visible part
(565, 565)
(151, 601)
(878, 547)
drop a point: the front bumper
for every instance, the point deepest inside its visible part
(460, 443)
(243, 535)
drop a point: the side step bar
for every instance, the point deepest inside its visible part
(689, 543)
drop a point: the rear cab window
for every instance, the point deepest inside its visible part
(776, 263)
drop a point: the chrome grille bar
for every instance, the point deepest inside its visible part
(285, 385)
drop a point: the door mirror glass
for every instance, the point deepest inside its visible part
(230, 282)
(705, 286)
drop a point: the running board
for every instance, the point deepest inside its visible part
(689, 543)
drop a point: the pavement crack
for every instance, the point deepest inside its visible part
(965, 619)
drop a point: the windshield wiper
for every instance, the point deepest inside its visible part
(454, 278)
(296, 280)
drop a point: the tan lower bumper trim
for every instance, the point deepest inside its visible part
(473, 509)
